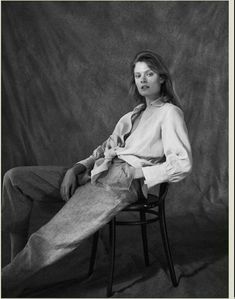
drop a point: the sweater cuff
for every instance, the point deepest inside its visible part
(154, 175)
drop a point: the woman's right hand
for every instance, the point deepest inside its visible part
(70, 182)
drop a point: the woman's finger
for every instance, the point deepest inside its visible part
(69, 191)
(66, 193)
(62, 192)
(73, 188)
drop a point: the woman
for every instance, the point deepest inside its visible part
(148, 145)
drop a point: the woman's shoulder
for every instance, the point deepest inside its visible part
(172, 110)
(172, 114)
(127, 115)
(125, 118)
(136, 109)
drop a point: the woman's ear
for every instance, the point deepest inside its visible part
(162, 80)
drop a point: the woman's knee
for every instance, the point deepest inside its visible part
(14, 174)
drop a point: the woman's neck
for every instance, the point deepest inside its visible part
(150, 100)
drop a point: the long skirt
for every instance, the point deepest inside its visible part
(90, 208)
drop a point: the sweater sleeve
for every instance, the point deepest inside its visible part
(177, 151)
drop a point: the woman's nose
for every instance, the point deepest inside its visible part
(143, 79)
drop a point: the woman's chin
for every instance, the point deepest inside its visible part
(144, 93)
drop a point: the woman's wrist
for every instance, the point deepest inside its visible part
(78, 168)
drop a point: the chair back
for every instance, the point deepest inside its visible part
(157, 199)
(163, 191)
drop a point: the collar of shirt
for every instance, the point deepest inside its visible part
(157, 103)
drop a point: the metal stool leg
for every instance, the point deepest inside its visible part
(163, 228)
(144, 237)
(112, 239)
(93, 253)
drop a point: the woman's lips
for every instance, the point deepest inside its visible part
(144, 87)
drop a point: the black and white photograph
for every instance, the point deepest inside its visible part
(114, 149)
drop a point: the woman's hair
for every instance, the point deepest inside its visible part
(155, 63)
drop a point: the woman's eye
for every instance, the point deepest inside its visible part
(137, 76)
(150, 74)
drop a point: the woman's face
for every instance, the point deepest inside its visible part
(147, 81)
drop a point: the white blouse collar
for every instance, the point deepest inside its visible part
(157, 103)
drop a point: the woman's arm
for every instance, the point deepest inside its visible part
(177, 150)
(79, 173)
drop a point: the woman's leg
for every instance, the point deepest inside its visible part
(18, 242)
(87, 210)
(21, 186)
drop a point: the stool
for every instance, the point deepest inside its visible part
(143, 206)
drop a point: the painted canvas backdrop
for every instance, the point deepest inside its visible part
(65, 80)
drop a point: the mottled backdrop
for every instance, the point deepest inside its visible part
(65, 77)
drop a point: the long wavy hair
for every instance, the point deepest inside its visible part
(155, 63)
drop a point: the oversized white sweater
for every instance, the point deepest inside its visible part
(158, 133)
